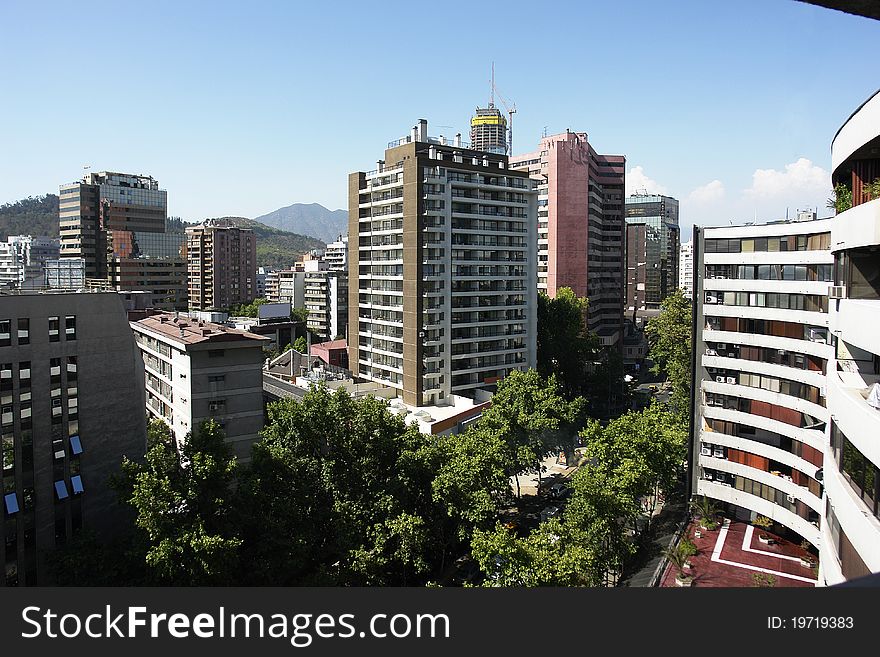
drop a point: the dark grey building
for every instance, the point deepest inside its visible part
(652, 252)
(71, 407)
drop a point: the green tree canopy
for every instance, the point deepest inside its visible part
(670, 336)
(182, 501)
(565, 346)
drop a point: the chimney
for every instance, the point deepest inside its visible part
(423, 130)
(458, 139)
(380, 165)
(414, 133)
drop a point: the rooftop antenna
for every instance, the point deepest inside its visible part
(511, 110)
(492, 88)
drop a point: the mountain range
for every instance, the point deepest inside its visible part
(311, 219)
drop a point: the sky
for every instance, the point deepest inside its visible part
(239, 108)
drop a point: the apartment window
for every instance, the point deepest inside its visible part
(76, 484)
(5, 329)
(70, 327)
(220, 378)
(218, 405)
(11, 501)
(58, 448)
(24, 331)
(53, 329)
(61, 489)
(75, 445)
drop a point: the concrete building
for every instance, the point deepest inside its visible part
(196, 370)
(336, 254)
(33, 253)
(262, 276)
(686, 268)
(442, 269)
(580, 225)
(10, 268)
(761, 349)
(221, 265)
(71, 407)
(851, 522)
(652, 252)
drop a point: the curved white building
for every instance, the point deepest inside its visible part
(761, 350)
(850, 545)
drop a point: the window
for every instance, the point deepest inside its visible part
(58, 449)
(217, 405)
(76, 483)
(70, 327)
(220, 378)
(53, 329)
(75, 445)
(24, 331)
(11, 501)
(61, 490)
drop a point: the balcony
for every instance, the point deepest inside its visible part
(848, 403)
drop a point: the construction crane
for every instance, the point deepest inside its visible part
(510, 107)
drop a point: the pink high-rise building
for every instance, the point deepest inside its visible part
(581, 228)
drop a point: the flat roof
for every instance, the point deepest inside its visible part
(188, 331)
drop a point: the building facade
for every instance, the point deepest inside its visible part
(761, 349)
(851, 523)
(686, 269)
(195, 371)
(580, 226)
(33, 254)
(442, 269)
(71, 407)
(652, 252)
(221, 265)
(489, 130)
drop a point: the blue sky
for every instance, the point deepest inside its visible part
(240, 108)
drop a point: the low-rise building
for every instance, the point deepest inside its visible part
(196, 370)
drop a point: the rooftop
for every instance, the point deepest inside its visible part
(187, 331)
(332, 344)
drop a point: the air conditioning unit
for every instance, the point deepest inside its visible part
(731, 379)
(719, 379)
(711, 298)
(722, 345)
(790, 498)
(837, 292)
(711, 352)
(705, 451)
(718, 452)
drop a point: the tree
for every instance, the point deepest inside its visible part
(671, 343)
(248, 309)
(533, 419)
(340, 492)
(565, 346)
(872, 189)
(182, 501)
(301, 345)
(642, 452)
(841, 199)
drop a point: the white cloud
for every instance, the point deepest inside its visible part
(801, 179)
(708, 193)
(637, 181)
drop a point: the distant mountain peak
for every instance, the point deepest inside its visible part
(311, 219)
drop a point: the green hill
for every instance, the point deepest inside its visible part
(277, 248)
(35, 215)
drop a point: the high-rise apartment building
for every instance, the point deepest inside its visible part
(195, 371)
(71, 407)
(686, 269)
(10, 267)
(580, 225)
(336, 254)
(442, 269)
(652, 252)
(851, 523)
(221, 265)
(761, 349)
